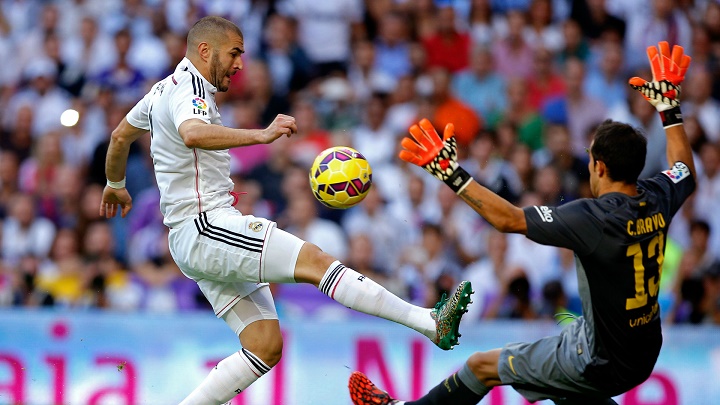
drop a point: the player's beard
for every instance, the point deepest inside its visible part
(216, 72)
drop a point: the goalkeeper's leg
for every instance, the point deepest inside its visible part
(586, 401)
(460, 388)
(357, 291)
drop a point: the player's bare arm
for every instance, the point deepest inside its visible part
(438, 156)
(199, 134)
(663, 92)
(115, 194)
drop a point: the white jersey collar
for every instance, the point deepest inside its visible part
(185, 64)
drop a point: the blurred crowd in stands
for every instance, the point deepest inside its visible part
(524, 81)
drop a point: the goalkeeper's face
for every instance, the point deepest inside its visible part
(225, 61)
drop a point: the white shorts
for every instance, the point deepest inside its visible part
(259, 305)
(230, 255)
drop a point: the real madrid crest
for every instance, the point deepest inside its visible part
(256, 226)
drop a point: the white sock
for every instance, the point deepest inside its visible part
(230, 377)
(360, 293)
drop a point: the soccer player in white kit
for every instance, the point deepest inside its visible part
(233, 256)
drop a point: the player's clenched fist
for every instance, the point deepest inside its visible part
(281, 125)
(437, 156)
(668, 70)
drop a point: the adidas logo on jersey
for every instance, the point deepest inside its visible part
(544, 212)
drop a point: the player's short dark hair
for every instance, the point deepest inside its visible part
(211, 29)
(622, 148)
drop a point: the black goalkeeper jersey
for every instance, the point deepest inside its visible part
(619, 244)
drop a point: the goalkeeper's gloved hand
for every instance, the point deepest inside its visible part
(437, 156)
(668, 71)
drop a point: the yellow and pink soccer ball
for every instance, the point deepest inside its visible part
(340, 177)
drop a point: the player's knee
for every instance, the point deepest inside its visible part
(484, 366)
(273, 351)
(264, 340)
(268, 349)
(312, 264)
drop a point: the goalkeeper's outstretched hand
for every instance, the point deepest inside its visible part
(668, 70)
(438, 156)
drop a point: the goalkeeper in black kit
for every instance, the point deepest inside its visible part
(618, 239)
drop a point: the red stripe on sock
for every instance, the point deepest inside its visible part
(249, 365)
(332, 295)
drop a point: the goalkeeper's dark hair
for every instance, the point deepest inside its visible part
(622, 148)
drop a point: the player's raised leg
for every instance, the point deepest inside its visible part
(360, 293)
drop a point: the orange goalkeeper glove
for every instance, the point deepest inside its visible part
(437, 156)
(668, 71)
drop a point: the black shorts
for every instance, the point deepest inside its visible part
(552, 367)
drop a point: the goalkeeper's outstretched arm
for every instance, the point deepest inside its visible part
(663, 92)
(678, 147)
(500, 213)
(439, 157)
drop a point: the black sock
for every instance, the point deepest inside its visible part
(451, 391)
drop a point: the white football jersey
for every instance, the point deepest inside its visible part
(190, 180)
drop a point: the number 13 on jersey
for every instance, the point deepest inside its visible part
(654, 248)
